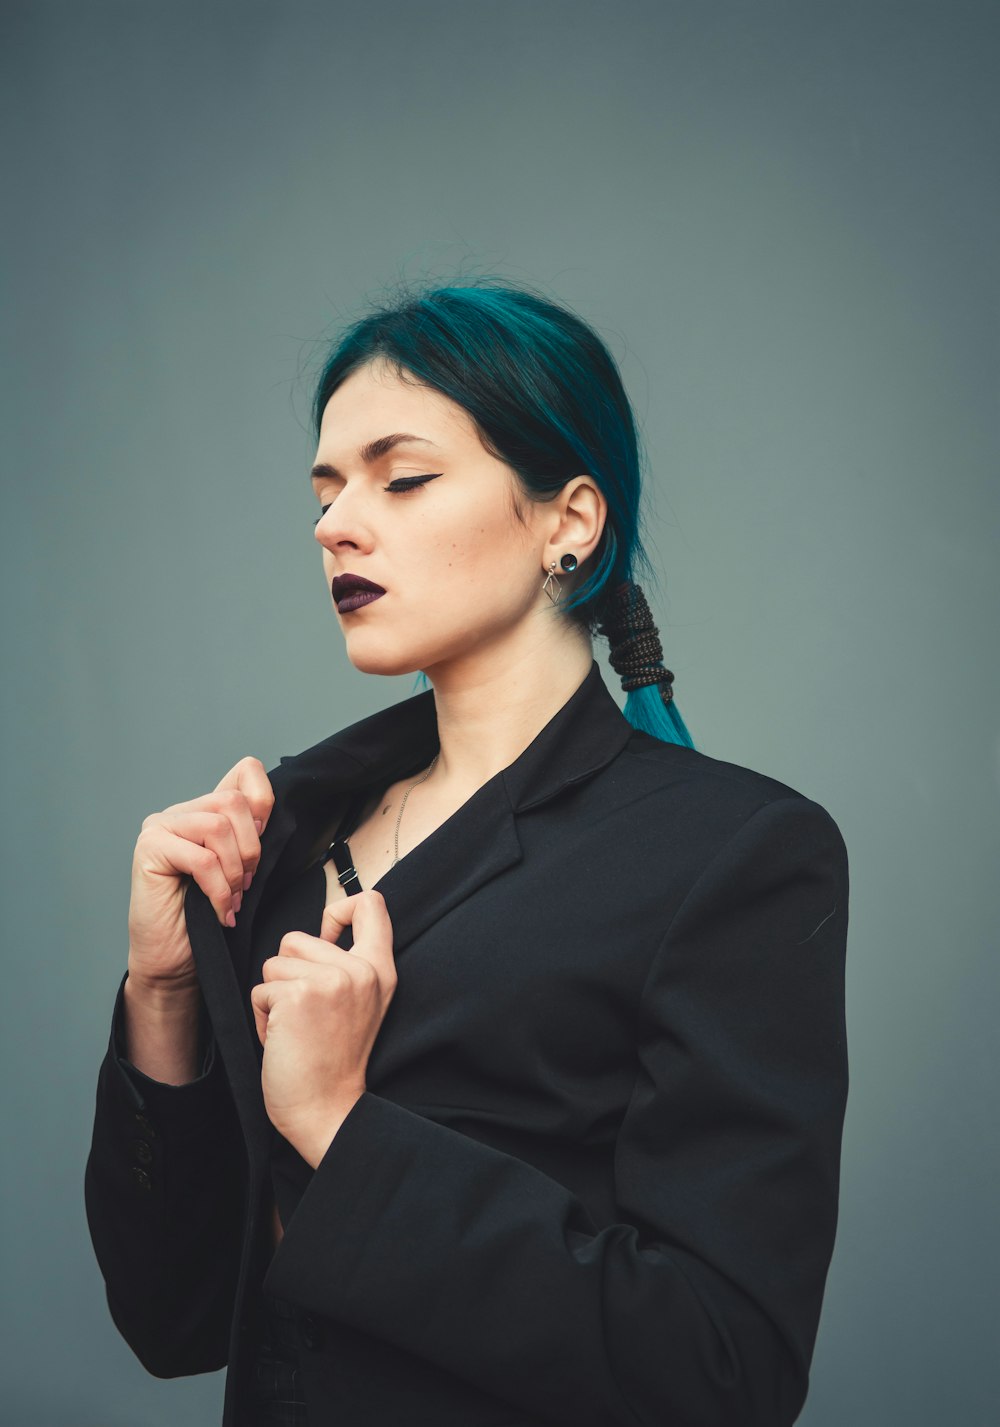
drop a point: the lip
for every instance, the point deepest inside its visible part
(357, 598)
(353, 591)
(348, 584)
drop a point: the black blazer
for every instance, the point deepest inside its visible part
(593, 1178)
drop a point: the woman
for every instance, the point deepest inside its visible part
(484, 1063)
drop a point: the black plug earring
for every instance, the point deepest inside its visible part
(569, 563)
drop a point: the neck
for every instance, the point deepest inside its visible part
(489, 709)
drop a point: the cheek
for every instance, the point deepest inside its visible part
(474, 538)
(486, 573)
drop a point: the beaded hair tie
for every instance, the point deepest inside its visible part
(635, 649)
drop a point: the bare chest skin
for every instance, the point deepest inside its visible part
(372, 851)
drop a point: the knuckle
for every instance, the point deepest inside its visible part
(333, 985)
(204, 859)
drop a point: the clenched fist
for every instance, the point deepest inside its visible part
(214, 839)
(318, 1011)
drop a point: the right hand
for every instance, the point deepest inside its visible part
(214, 840)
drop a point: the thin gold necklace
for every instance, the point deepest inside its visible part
(403, 804)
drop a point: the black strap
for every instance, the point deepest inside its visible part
(346, 874)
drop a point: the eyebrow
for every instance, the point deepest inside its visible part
(371, 452)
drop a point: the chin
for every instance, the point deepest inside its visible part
(383, 661)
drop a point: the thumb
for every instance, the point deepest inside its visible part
(338, 915)
(367, 913)
(261, 999)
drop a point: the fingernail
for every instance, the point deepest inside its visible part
(248, 878)
(237, 901)
(258, 825)
(230, 918)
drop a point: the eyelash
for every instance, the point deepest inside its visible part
(399, 486)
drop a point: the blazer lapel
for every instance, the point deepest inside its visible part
(479, 841)
(310, 792)
(233, 1035)
(475, 844)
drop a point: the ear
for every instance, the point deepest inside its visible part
(576, 521)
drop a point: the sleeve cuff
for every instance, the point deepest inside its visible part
(177, 1108)
(355, 1203)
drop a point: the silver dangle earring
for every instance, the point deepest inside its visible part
(551, 583)
(569, 563)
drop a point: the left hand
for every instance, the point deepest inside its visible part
(318, 1012)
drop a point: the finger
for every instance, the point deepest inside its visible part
(249, 777)
(338, 915)
(212, 830)
(238, 809)
(341, 914)
(162, 852)
(302, 946)
(261, 999)
(297, 968)
(244, 844)
(368, 914)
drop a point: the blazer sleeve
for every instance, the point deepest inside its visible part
(163, 1188)
(700, 1304)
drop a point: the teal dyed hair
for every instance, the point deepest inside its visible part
(547, 399)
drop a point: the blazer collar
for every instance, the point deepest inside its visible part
(478, 842)
(585, 734)
(311, 790)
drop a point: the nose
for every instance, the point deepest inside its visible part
(337, 527)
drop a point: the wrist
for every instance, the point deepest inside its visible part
(167, 995)
(160, 1031)
(312, 1140)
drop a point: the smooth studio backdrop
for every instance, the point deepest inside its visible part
(783, 219)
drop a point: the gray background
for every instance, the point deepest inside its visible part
(783, 220)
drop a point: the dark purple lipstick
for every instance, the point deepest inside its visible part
(352, 591)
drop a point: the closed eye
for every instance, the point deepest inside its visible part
(397, 487)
